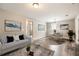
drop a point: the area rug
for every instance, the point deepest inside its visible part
(37, 49)
(41, 51)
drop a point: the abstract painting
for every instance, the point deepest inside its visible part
(12, 25)
(41, 27)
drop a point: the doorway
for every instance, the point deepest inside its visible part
(30, 28)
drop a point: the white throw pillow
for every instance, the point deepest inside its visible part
(16, 37)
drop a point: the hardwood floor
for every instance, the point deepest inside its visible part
(64, 48)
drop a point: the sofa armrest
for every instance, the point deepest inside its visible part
(28, 38)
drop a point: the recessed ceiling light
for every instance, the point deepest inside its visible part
(35, 5)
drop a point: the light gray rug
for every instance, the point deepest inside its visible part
(41, 51)
(37, 49)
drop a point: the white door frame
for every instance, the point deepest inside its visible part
(77, 29)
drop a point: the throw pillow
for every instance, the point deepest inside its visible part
(10, 39)
(21, 37)
(16, 37)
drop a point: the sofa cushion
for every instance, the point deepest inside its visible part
(14, 45)
(10, 39)
(16, 37)
(7, 47)
(3, 39)
(21, 37)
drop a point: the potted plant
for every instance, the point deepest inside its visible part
(28, 47)
(71, 34)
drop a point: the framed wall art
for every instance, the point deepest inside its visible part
(10, 25)
(41, 27)
(64, 26)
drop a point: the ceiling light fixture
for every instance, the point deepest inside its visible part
(35, 5)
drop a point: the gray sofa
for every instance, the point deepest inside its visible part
(16, 44)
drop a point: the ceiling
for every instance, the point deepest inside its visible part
(47, 12)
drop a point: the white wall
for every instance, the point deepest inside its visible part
(71, 26)
(19, 18)
(38, 34)
(6, 15)
(77, 29)
(64, 32)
